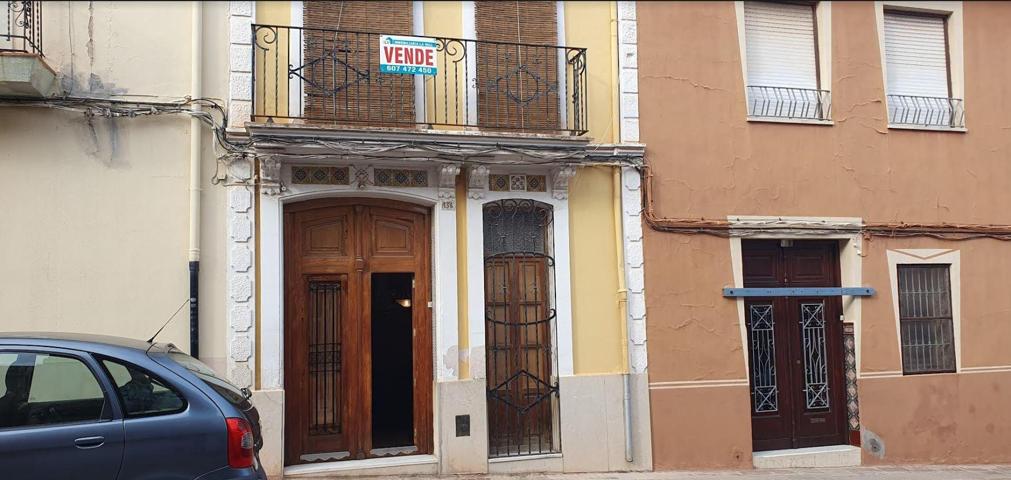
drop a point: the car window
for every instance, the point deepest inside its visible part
(230, 392)
(44, 389)
(142, 393)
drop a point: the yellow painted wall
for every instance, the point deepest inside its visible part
(598, 326)
(445, 19)
(585, 23)
(271, 71)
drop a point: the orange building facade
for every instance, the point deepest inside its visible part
(825, 232)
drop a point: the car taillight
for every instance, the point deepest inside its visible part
(240, 443)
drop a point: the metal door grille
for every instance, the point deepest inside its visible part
(522, 390)
(325, 386)
(765, 395)
(928, 344)
(812, 322)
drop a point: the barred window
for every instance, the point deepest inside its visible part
(925, 319)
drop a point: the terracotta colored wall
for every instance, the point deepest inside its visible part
(709, 161)
(712, 162)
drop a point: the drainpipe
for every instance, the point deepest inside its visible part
(619, 242)
(622, 309)
(196, 57)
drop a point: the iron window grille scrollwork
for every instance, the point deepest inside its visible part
(332, 77)
(764, 390)
(519, 329)
(23, 27)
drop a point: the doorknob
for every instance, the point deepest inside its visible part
(89, 442)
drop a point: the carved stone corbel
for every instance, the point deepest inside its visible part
(238, 170)
(560, 181)
(270, 175)
(477, 184)
(447, 185)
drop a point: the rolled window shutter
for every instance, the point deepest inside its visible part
(518, 82)
(916, 58)
(342, 67)
(780, 45)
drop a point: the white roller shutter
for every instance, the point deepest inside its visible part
(779, 38)
(916, 59)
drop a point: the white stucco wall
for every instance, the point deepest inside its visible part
(93, 234)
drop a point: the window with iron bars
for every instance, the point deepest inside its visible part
(925, 319)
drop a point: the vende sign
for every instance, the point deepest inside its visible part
(407, 55)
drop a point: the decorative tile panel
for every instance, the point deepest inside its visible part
(537, 183)
(319, 175)
(400, 177)
(850, 369)
(517, 183)
(498, 183)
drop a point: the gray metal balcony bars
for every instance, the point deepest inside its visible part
(926, 111)
(22, 31)
(789, 103)
(320, 76)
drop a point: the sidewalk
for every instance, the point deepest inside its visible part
(907, 472)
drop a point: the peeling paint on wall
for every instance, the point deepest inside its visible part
(449, 360)
(477, 362)
(872, 443)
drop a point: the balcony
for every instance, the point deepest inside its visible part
(320, 77)
(788, 103)
(23, 72)
(22, 32)
(926, 112)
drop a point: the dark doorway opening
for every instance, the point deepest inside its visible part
(392, 360)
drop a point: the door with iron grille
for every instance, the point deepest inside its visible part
(795, 346)
(519, 320)
(357, 335)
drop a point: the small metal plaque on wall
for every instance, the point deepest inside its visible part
(463, 425)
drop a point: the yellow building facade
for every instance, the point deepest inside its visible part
(534, 359)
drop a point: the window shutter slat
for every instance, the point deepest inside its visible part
(916, 59)
(780, 45)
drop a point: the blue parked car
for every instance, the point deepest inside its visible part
(105, 408)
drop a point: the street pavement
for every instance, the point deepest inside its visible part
(906, 472)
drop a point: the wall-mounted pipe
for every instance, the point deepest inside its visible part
(622, 295)
(196, 57)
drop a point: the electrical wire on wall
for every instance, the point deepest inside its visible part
(232, 147)
(724, 228)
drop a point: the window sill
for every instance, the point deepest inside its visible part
(797, 121)
(928, 128)
(523, 458)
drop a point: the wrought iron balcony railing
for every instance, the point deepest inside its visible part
(23, 29)
(789, 103)
(320, 76)
(926, 111)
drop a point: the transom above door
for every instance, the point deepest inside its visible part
(795, 346)
(358, 348)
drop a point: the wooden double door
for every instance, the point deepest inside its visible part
(795, 346)
(357, 330)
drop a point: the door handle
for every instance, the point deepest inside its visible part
(85, 443)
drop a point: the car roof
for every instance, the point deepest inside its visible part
(79, 341)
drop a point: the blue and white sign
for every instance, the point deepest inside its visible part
(407, 55)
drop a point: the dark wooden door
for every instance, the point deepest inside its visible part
(795, 346)
(332, 249)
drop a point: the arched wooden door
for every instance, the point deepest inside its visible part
(356, 279)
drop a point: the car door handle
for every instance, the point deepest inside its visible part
(89, 442)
